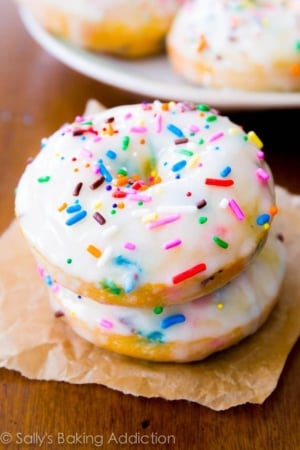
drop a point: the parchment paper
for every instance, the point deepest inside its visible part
(40, 346)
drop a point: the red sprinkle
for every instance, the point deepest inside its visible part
(219, 182)
(189, 273)
(77, 189)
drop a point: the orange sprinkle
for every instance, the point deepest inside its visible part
(273, 210)
(142, 141)
(62, 207)
(203, 44)
(295, 70)
(165, 106)
(94, 251)
(121, 205)
(121, 180)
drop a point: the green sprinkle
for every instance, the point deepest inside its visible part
(122, 171)
(297, 46)
(202, 219)
(44, 179)
(113, 211)
(158, 309)
(211, 118)
(186, 152)
(245, 137)
(203, 108)
(69, 261)
(140, 203)
(125, 142)
(201, 141)
(88, 122)
(111, 287)
(220, 242)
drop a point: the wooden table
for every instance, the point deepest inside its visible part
(38, 94)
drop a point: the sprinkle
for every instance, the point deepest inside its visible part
(163, 221)
(202, 220)
(158, 309)
(220, 242)
(77, 189)
(130, 246)
(172, 244)
(58, 314)
(129, 282)
(203, 108)
(73, 208)
(158, 123)
(226, 171)
(178, 166)
(104, 171)
(172, 320)
(111, 154)
(140, 197)
(262, 174)
(262, 219)
(44, 179)
(125, 142)
(273, 210)
(211, 118)
(62, 207)
(218, 182)
(189, 273)
(105, 323)
(252, 136)
(76, 218)
(138, 129)
(69, 261)
(119, 194)
(186, 152)
(216, 136)
(220, 305)
(97, 183)
(260, 155)
(87, 153)
(201, 203)
(181, 141)
(194, 128)
(94, 251)
(175, 130)
(156, 336)
(235, 208)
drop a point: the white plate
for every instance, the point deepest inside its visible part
(152, 77)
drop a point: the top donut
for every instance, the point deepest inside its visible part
(241, 44)
(127, 28)
(146, 204)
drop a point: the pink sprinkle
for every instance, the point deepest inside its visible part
(216, 136)
(79, 119)
(194, 128)
(235, 208)
(139, 198)
(260, 154)
(128, 116)
(172, 244)
(86, 153)
(55, 287)
(138, 129)
(130, 246)
(163, 221)
(158, 123)
(41, 271)
(97, 139)
(262, 174)
(106, 323)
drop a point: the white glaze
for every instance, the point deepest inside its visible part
(44, 225)
(237, 35)
(237, 304)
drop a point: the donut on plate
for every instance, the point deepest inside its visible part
(146, 204)
(128, 28)
(249, 45)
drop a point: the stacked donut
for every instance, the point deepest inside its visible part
(127, 28)
(151, 226)
(242, 44)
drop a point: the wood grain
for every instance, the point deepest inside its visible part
(38, 94)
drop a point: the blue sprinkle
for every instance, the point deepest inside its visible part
(262, 219)
(122, 261)
(130, 282)
(179, 165)
(76, 218)
(175, 130)
(172, 320)
(73, 208)
(111, 154)
(48, 280)
(156, 336)
(226, 171)
(104, 171)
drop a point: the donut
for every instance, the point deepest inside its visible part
(184, 332)
(248, 45)
(127, 28)
(147, 204)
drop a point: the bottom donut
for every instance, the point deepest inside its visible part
(184, 332)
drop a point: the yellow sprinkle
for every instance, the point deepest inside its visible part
(62, 207)
(97, 205)
(252, 136)
(220, 305)
(233, 131)
(73, 314)
(149, 217)
(266, 226)
(193, 161)
(94, 251)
